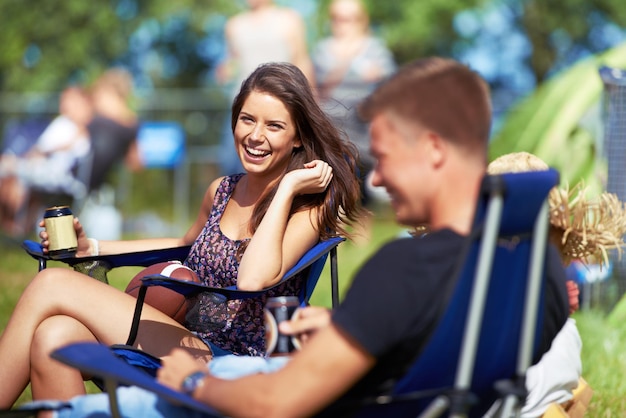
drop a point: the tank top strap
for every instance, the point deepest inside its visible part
(222, 195)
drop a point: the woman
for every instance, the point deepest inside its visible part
(251, 228)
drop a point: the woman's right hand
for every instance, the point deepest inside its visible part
(83, 249)
(313, 178)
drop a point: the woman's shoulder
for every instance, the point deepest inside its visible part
(224, 184)
(215, 184)
(218, 191)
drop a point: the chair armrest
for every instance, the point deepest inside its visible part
(138, 258)
(189, 289)
(186, 288)
(98, 360)
(314, 258)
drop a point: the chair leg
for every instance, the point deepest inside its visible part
(436, 408)
(134, 328)
(111, 387)
(334, 277)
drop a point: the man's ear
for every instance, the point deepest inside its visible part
(438, 148)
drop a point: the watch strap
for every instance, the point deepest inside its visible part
(191, 382)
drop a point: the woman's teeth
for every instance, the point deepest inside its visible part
(256, 152)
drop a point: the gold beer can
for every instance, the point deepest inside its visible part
(59, 223)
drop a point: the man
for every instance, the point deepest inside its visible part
(430, 124)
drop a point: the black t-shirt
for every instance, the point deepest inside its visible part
(398, 296)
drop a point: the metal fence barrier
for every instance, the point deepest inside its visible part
(606, 293)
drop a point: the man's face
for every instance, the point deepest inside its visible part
(402, 167)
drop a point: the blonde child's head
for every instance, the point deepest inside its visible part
(582, 229)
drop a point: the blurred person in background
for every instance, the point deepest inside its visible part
(263, 33)
(348, 65)
(95, 129)
(49, 162)
(113, 129)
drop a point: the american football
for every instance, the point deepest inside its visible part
(166, 300)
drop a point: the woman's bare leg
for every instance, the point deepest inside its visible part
(46, 373)
(103, 310)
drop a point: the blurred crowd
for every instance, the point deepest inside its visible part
(96, 127)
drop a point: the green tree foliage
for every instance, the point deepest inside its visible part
(47, 44)
(550, 123)
(411, 29)
(55, 40)
(560, 121)
(60, 41)
(416, 29)
(565, 31)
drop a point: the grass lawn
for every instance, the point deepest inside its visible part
(604, 356)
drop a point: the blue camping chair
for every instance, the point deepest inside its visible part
(485, 340)
(313, 260)
(489, 334)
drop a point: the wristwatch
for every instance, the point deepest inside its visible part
(193, 381)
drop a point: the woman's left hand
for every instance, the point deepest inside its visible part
(313, 178)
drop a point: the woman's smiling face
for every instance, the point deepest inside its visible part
(265, 134)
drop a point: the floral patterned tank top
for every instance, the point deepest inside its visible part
(235, 325)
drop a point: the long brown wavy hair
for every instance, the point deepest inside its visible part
(339, 205)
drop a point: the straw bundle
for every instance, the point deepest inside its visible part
(586, 229)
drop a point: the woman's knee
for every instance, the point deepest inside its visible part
(49, 278)
(51, 283)
(53, 333)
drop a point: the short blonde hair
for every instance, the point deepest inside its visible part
(582, 229)
(516, 162)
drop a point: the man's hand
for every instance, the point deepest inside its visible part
(176, 367)
(306, 322)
